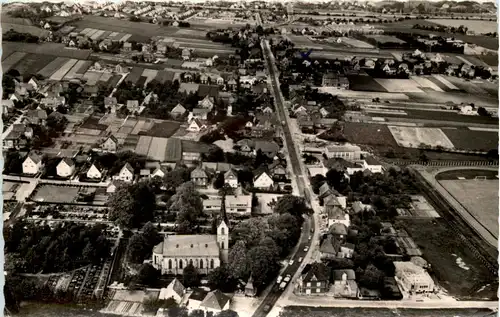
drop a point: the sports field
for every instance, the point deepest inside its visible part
(479, 197)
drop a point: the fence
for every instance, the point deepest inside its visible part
(446, 163)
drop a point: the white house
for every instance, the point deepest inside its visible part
(110, 144)
(174, 290)
(126, 173)
(215, 302)
(94, 172)
(207, 102)
(337, 215)
(178, 110)
(195, 126)
(231, 178)
(262, 180)
(198, 113)
(159, 172)
(65, 168)
(238, 204)
(32, 164)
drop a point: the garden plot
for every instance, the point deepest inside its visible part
(355, 43)
(53, 66)
(72, 72)
(157, 149)
(398, 85)
(55, 194)
(32, 63)
(174, 150)
(59, 74)
(414, 137)
(445, 82)
(142, 147)
(125, 38)
(92, 77)
(362, 94)
(91, 32)
(425, 83)
(13, 59)
(97, 34)
(105, 77)
(150, 74)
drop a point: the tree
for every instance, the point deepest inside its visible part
(250, 231)
(219, 181)
(153, 304)
(316, 182)
(227, 313)
(371, 277)
(238, 261)
(137, 248)
(147, 276)
(197, 313)
(177, 311)
(151, 234)
(188, 203)
(132, 205)
(220, 279)
(190, 276)
(483, 112)
(293, 205)
(263, 263)
(13, 163)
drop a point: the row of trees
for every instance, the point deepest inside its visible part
(31, 248)
(14, 36)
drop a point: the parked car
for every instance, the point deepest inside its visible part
(306, 249)
(279, 279)
(290, 262)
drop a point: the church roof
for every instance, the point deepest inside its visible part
(190, 245)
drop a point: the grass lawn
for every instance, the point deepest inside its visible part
(55, 49)
(468, 174)
(364, 83)
(441, 248)
(369, 133)
(56, 194)
(164, 129)
(472, 140)
(301, 311)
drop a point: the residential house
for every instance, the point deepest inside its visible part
(204, 79)
(110, 103)
(195, 126)
(344, 283)
(335, 80)
(232, 84)
(336, 247)
(337, 215)
(94, 172)
(262, 180)
(338, 230)
(238, 204)
(186, 54)
(267, 109)
(174, 290)
(35, 83)
(53, 102)
(206, 103)
(110, 144)
(212, 205)
(413, 278)
(219, 80)
(126, 173)
(245, 146)
(333, 200)
(358, 207)
(133, 106)
(325, 190)
(314, 279)
(198, 113)
(231, 178)
(160, 172)
(215, 302)
(144, 173)
(277, 171)
(372, 164)
(199, 177)
(32, 164)
(389, 70)
(268, 148)
(127, 47)
(178, 111)
(17, 137)
(196, 298)
(65, 168)
(8, 106)
(113, 186)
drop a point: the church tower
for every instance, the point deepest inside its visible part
(223, 233)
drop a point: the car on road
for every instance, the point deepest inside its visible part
(306, 249)
(279, 279)
(287, 278)
(300, 259)
(267, 308)
(283, 285)
(290, 262)
(309, 238)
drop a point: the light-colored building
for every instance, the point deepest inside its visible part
(32, 164)
(413, 278)
(94, 172)
(199, 177)
(195, 126)
(238, 204)
(126, 173)
(204, 252)
(315, 279)
(110, 144)
(263, 180)
(337, 215)
(174, 290)
(212, 205)
(65, 168)
(346, 151)
(215, 302)
(231, 178)
(344, 284)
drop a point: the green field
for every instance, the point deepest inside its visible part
(466, 139)
(364, 83)
(32, 63)
(56, 194)
(369, 133)
(54, 49)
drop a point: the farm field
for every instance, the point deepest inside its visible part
(356, 43)
(33, 30)
(398, 85)
(442, 249)
(13, 59)
(55, 194)
(369, 133)
(467, 174)
(414, 137)
(446, 116)
(52, 67)
(364, 83)
(32, 63)
(163, 129)
(385, 39)
(174, 150)
(426, 83)
(430, 96)
(302, 311)
(54, 49)
(59, 74)
(135, 74)
(157, 149)
(478, 27)
(472, 140)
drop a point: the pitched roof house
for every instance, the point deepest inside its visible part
(315, 278)
(65, 168)
(32, 164)
(215, 302)
(199, 177)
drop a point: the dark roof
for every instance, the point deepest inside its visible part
(68, 161)
(337, 274)
(338, 229)
(370, 160)
(266, 146)
(330, 245)
(210, 90)
(318, 272)
(198, 294)
(215, 300)
(37, 113)
(35, 157)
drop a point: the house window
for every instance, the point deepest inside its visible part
(180, 264)
(212, 263)
(318, 284)
(222, 245)
(308, 284)
(201, 263)
(169, 264)
(191, 262)
(222, 231)
(318, 290)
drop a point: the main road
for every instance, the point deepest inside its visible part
(307, 238)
